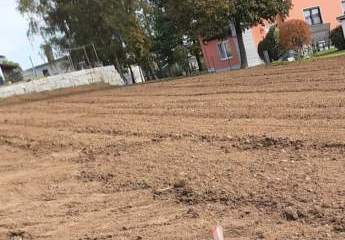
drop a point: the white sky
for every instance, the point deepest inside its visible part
(14, 43)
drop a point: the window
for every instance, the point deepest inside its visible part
(224, 50)
(313, 16)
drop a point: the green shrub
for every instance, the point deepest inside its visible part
(15, 75)
(270, 44)
(337, 38)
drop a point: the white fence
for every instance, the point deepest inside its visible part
(107, 75)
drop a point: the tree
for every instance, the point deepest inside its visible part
(181, 23)
(165, 39)
(48, 52)
(181, 57)
(12, 71)
(114, 26)
(294, 35)
(337, 38)
(271, 44)
(248, 13)
(211, 18)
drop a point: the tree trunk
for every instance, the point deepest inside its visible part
(132, 74)
(147, 74)
(243, 54)
(170, 72)
(119, 69)
(198, 59)
(154, 76)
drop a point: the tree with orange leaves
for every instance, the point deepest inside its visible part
(294, 35)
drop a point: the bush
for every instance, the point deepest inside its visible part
(180, 56)
(15, 75)
(270, 44)
(294, 35)
(337, 38)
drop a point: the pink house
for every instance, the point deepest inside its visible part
(223, 55)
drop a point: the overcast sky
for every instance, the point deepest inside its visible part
(14, 43)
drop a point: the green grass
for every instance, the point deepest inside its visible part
(328, 54)
(325, 53)
(278, 63)
(320, 55)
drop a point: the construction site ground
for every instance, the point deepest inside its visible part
(260, 152)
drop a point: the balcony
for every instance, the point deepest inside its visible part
(320, 32)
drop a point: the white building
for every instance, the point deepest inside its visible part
(62, 65)
(59, 66)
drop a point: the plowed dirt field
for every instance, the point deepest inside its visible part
(261, 152)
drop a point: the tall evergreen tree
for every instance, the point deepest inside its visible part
(165, 37)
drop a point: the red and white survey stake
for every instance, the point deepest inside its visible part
(218, 233)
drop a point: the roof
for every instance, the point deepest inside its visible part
(47, 64)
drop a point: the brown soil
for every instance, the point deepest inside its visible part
(260, 152)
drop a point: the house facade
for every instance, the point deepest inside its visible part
(224, 55)
(321, 15)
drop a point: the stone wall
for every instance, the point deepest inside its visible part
(107, 75)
